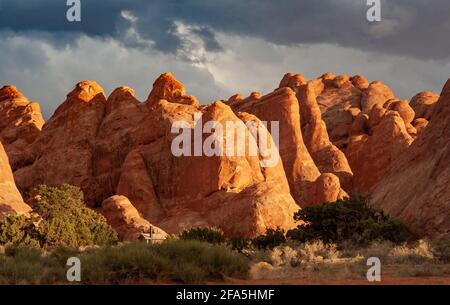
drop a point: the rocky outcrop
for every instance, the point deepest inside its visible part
(423, 104)
(343, 98)
(417, 188)
(282, 106)
(63, 151)
(326, 188)
(376, 94)
(340, 106)
(372, 151)
(11, 201)
(367, 123)
(292, 80)
(154, 161)
(420, 124)
(376, 140)
(166, 87)
(327, 157)
(20, 124)
(125, 219)
(120, 146)
(118, 134)
(231, 192)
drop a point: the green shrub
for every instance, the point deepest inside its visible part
(23, 252)
(26, 265)
(271, 239)
(239, 243)
(60, 219)
(349, 219)
(173, 260)
(131, 263)
(386, 229)
(210, 235)
(19, 230)
(68, 222)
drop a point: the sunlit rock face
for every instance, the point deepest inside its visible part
(335, 136)
(20, 124)
(416, 190)
(120, 146)
(11, 202)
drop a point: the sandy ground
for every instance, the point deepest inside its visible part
(386, 280)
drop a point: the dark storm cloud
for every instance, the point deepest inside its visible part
(218, 48)
(418, 28)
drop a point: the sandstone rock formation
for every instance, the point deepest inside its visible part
(371, 155)
(20, 124)
(303, 174)
(338, 135)
(327, 157)
(420, 124)
(367, 123)
(229, 192)
(121, 146)
(423, 104)
(282, 106)
(166, 87)
(63, 151)
(11, 201)
(376, 94)
(125, 219)
(417, 188)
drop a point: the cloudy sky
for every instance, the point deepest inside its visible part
(218, 48)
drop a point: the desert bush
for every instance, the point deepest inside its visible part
(28, 265)
(284, 256)
(67, 220)
(272, 238)
(130, 263)
(348, 219)
(178, 260)
(211, 235)
(59, 218)
(293, 254)
(239, 243)
(413, 253)
(380, 249)
(261, 270)
(317, 251)
(441, 250)
(417, 253)
(19, 230)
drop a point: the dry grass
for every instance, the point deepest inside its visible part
(318, 261)
(130, 263)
